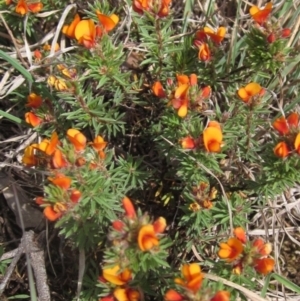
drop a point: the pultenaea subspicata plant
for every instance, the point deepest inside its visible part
(171, 109)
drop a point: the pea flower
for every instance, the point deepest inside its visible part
(69, 30)
(77, 139)
(108, 22)
(264, 265)
(260, 16)
(129, 208)
(212, 137)
(231, 249)
(147, 238)
(86, 33)
(204, 53)
(29, 157)
(23, 7)
(61, 181)
(192, 277)
(249, 92)
(285, 125)
(188, 143)
(34, 101)
(126, 294)
(116, 276)
(216, 36)
(52, 214)
(158, 90)
(281, 150)
(159, 8)
(33, 119)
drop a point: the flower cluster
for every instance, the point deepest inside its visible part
(251, 94)
(272, 32)
(65, 198)
(119, 280)
(86, 32)
(288, 129)
(203, 196)
(241, 253)
(23, 7)
(137, 230)
(190, 287)
(60, 158)
(158, 8)
(211, 139)
(133, 232)
(207, 39)
(185, 94)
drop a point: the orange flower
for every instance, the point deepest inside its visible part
(86, 33)
(231, 249)
(35, 7)
(160, 9)
(193, 79)
(217, 36)
(129, 208)
(187, 143)
(49, 147)
(261, 15)
(204, 52)
(158, 90)
(283, 125)
(251, 90)
(160, 225)
(172, 295)
(51, 214)
(281, 150)
(221, 296)
(34, 101)
(29, 157)
(69, 30)
(99, 143)
(126, 294)
(264, 265)
(58, 160)
(107, 22)
(115, 276)
(212, 137)
(192, 277)
(33, 119)
(297, 143)
(240, 234)
(261, 247)
(61, 181)
(47, 47)
(23, 7)
(77, 139)
(147, 238)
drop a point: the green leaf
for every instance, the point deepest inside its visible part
(17, 66)
(10, 117)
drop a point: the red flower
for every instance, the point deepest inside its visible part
(240, 234)
(188, 143)
(261, 15)
(172, 295)
(264, 265)
(34, 101)
(158, 90)
(61, 181)
(221, 296)
(284, 125)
